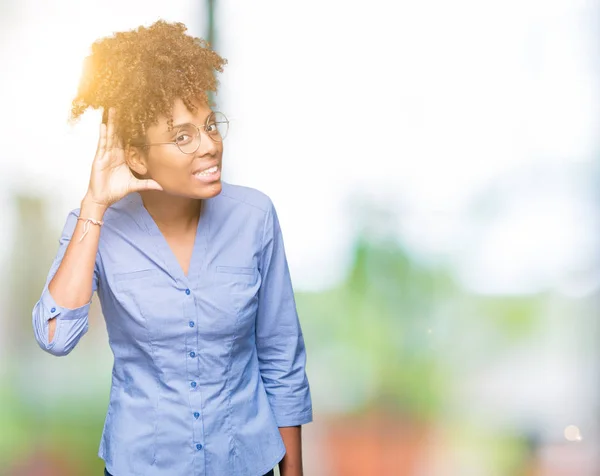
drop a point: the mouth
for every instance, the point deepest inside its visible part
(208, 174)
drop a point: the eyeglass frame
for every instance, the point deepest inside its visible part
(198, 129)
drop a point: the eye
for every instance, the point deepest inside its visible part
(212, 128)
(183, 138)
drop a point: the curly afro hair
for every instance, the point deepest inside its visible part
(141, 72)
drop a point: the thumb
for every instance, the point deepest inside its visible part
(145, 184)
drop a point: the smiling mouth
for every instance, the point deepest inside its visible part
(207, 172)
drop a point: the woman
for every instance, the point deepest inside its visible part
(209, 359)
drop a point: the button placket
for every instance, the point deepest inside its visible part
(197, 436)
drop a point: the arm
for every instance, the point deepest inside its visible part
(291, 464)
(280, 346)
(60, 318)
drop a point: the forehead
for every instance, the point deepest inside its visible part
(181, 114)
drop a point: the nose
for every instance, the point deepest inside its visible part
(207, 145)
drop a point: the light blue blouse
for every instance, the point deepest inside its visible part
(206, 366)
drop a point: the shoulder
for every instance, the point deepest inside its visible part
(124, 210)
(245, 207)
(246, 197)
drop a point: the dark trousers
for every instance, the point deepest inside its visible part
(270, 473)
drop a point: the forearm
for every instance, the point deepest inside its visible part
(72, 284)
(291, 464)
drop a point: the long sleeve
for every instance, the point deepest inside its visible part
(279, 339)
(71, 324)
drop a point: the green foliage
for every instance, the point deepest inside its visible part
(383, 338)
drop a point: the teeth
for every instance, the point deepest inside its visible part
(210, 171)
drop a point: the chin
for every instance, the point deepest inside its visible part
(209, 190)
(205, 191)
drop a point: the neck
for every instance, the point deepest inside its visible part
(172, 213)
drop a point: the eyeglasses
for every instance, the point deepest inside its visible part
(188, 136)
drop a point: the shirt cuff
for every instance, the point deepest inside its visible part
(54, 310)
(293, 419)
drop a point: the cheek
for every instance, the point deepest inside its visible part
(169, 169)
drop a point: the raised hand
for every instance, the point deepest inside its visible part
(111, 179)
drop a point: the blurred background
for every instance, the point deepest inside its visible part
(446, 153)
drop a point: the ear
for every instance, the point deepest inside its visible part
(136, 160)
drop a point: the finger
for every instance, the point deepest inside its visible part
(118, 143)
(140, 185)
(101, 141)
(110, 131)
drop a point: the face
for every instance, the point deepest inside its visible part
(193, 175)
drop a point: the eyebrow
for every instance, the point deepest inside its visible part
(179, 126)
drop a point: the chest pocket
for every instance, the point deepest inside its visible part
(231, 292)
(152, 304)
